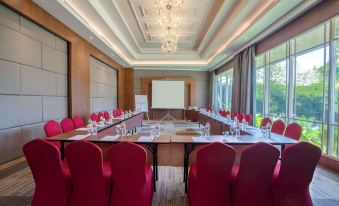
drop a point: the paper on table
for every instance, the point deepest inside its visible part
(82, 129)
(78, 137)
(110, 138)
(200, 139)
(231, 139)
(145, 139)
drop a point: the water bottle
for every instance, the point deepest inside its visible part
(268, 128)
(207, 129)
(123, 129)
(95, 128)
(157, 134)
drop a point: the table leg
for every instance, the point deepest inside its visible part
(188, 148)
(62, 150)
(153, 148)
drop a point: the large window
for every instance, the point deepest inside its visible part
(298, 81)
(224, 89)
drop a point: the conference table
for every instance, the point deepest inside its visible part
(248, 136)
(107, 134)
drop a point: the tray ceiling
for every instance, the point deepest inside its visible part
(211, 31)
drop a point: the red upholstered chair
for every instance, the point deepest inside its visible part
(278, 127)
(241, 117)
(132, 178)
(293, 131)
(114, 112)
(298, 163)
(235, 114)
(209, 180)
(265, 121)
(100, 114)
(106, 115)
(221, 111)
(51, 176)
(52, 128)
(228, 113)
(91, 179)
(67, 125)
(78, 122)
(252, 182)
(94, 117)
(248, 118)
(120, 111)
(224, 113)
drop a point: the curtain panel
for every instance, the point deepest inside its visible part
(243, 89)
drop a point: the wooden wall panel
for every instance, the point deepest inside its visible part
(79, 53)
(129, 88)
(190, 94)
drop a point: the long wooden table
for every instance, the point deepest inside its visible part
(249, 136)
(109, 130)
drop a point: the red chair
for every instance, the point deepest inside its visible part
(248, 118)
(278, 127)
(235, 114)
(51, 176)
(298, 164)
(221, 111)
(241, 117)
(228, 113)
(78, 122)
(132, 178)
(106, 115)
(91, 179)
(224, 113)
(67, 125)
(293, 131)
(253, 178)
(52, 128)
(209, 180)
(265, 121)
(94, 117)
(100, 115)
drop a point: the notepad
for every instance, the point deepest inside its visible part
(78, 137)
(110, 138)
(145, 139)
(200, 139)
(82, 129)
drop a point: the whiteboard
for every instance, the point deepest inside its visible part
(141, 103)
(168, 94)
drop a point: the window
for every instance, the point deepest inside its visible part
(224, 89)
(298, 81)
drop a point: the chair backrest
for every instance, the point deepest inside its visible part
(78, 122)
(253, 183)
(100, 114)
(235, 114)
(228, 112)
(52, 187)
(248, 118)
(221, 111)
(214, 165)
(293, 131)
(278, 127)
(224, 113)
(106, 115)
(128, 165)
(94, 117)
(90, 187)
(298, 164)
(265, 121)
(52, 128)
(241, 117)
(67, 125)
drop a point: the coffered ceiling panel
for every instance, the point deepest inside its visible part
(210, 31)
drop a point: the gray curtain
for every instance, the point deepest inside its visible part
(243, 89)
(213, 91)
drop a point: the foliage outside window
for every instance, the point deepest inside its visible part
(224, 89)
(298, 81)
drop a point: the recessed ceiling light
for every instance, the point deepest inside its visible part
(91, 37)
(246, 38)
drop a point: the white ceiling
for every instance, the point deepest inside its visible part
(211, 31)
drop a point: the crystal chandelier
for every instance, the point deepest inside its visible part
(169, 11)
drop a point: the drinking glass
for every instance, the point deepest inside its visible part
(118, 129)
(263, 131)
(202, 131)
(232, 130)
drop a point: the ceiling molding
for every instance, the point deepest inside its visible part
(213, 30)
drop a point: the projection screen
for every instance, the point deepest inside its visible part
(168, 94)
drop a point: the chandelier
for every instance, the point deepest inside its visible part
(169, 11)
